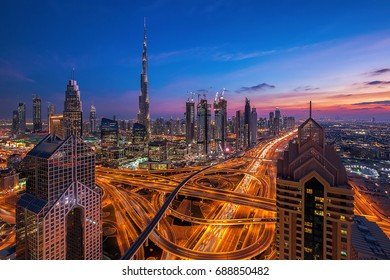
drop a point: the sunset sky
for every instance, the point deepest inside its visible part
(275, 52)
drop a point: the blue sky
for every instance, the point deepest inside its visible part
(276, 53)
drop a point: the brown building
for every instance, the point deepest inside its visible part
(314, 201)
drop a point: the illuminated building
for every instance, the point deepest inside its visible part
(239, 129)
(253, 126)
(14, 160)
(290, 123)
(143, 114)
(277, 121)
(190, 121)
(21, 127)
(92, 120)
(158, 151)
(271, 123)
(220, 111)
(37, 114)
(139, 134)
(51, 110)
(247, 121)
(15, 123)
(109, 133)
(9, 179)
(204, 127)
(56, 125)
(73, 115)
(314, 201)
(59, 216)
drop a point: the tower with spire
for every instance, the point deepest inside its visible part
(143, 113)
(73, 115)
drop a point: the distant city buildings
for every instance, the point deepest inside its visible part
(315, 204)
(37, 114)
(59, 216)
(109, 133)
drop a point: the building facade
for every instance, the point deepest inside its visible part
(314, 202)
(190, 121)
(204, 127)
(73, 115)
(37, 114)
(109, 133)
(59, 216)
(92, 120)
(220, 112)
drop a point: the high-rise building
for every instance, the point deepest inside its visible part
(271, 122)
(290, 123)
(59, 216)
(73, 115)
(15, 123)
(37, 114)
(51, 109)
(190, 121)
(253, 126)
(21, 118)
(277, 121)
(92, 120)
(220, 111)
(314, 201)
(239, 129)
(109, 132)
(56, 125)
(247, 120)
(204, 126)
(143, 113)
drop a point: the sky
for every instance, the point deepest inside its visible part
(277, 53)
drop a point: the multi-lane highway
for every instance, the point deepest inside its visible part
(239, 192)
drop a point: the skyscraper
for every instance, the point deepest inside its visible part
(220, 111)
(143, 113)
(247, 120)
(204, 126)
(37, 114)
(92, 120)
(73, 115)
(59, 216)
(56, 125)
(239, 129)
(253, 126)
(15, 123)
(277, 121)
(190, 121)
(314, 201)
(109, 132)
(21, 118)
(51, 109)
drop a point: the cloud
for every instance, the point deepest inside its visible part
(306, 88)
(15, 75)
(373, 83)
(221, 56)
(263, 86)
(379, 102)
(379, 72)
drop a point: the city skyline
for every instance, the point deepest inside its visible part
(276, 54)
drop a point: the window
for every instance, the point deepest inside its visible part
(342, 217)
(344, 232)
(343, 253)
(308, 224)
(319, 213)
(308, 230)
(308, 250)
(309, 191)
(319, 199)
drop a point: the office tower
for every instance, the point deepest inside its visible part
(190, 121)
(277, 121)
(239, 129)
(56, 125)
(143, 113)
(220, 112)
(139, 134)
(203, 125)
(37, 114)
(314, 201)
(73, 115)
(92, 120)
(271, 122)
(158, 151)
(15, 123)
(109, 133)
(59, 216)
(21, 118)
(247, 119)
(253, 126)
